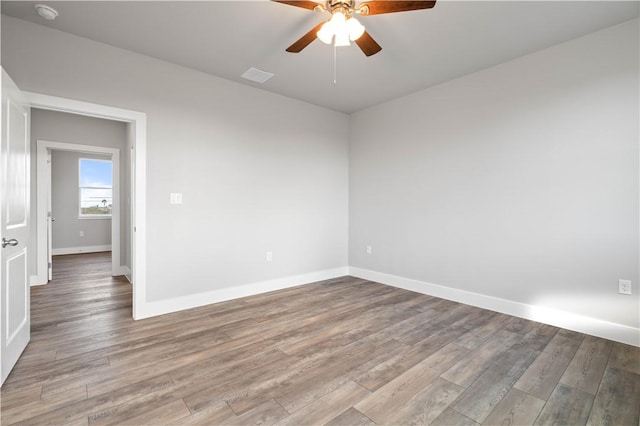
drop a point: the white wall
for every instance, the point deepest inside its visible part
(65, 206)
(518, 182)
(76, 129)
(258, 172)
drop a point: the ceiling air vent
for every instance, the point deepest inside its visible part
(257, 75)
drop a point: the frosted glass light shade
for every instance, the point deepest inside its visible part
(340, 30)
(338, 21)
(326, 33)
(342, 39)
(356, 29)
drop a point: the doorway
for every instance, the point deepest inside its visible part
(136, 143)
(44, 203)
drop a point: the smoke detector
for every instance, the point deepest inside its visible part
(46, 12)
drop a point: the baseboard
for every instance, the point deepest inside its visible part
(78, 250)
(150, 309)
(580, 323)
(34, 281)
(124, 270)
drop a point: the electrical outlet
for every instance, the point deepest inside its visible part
(175, 198)
(369, 250)
(82, 233)
(269, 256)
(624, 286)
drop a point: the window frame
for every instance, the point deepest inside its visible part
(80, 188)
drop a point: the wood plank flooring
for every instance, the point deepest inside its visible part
(339, 352)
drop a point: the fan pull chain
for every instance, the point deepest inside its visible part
(335, 64)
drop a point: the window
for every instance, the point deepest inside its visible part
(96, 191)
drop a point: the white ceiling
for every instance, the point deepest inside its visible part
(420, 48)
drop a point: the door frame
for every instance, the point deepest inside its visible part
(138, 136)
(43, 191)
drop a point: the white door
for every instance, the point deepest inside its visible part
(14, 226)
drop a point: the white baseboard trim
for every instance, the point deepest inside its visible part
(124, 270)
(150, 309)
(580, 323)
(35, 281)
(78, 250)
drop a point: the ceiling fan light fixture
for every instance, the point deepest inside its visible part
(340, 30)
(343, 28)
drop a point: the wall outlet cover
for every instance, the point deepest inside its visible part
(624, 286)
(175, 198)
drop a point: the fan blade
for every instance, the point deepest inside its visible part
(390, 6)
(305, 4)
(368, 45)
(305, 40)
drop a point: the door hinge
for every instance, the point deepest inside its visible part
(49, 265)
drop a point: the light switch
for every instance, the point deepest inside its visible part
(175, 198)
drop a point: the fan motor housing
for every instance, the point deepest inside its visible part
(346, 4)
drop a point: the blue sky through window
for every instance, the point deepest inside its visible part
(95, 186)
(95, 173)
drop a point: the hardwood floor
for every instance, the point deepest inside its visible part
(338, 352)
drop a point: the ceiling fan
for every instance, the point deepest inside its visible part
(342, 27)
